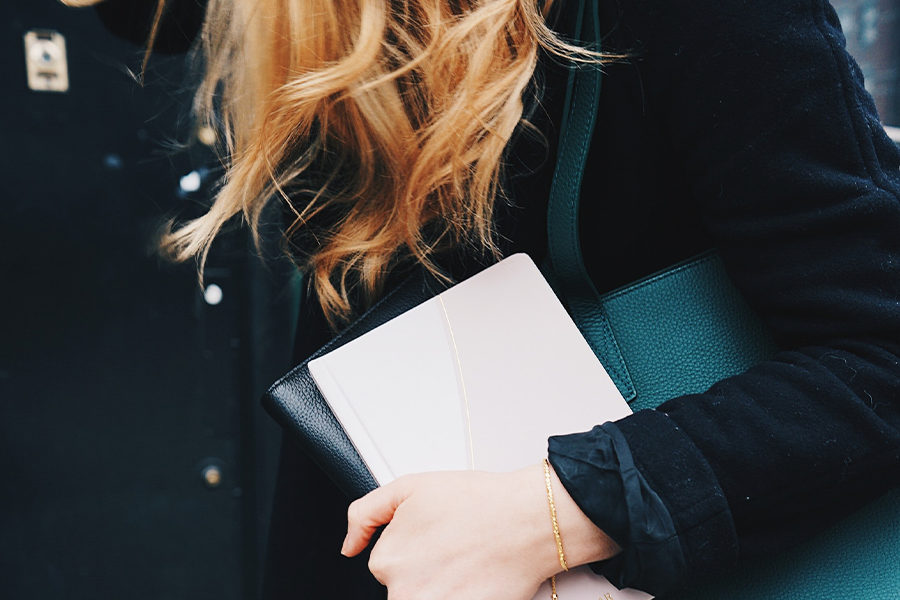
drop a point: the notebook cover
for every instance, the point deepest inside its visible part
(477, 377)
(298, 407)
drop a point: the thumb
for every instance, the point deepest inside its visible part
(367, 514)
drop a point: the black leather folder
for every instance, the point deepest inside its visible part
(296, 404)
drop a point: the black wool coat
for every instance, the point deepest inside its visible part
(732, 124)
(746, 127)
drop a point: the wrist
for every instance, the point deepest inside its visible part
(581, 541)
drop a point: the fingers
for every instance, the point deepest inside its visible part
(369, 513)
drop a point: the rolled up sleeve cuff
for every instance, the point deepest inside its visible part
(644, 483)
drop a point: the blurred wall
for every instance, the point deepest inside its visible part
(872, 29)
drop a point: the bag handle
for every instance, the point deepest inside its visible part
(564, 262)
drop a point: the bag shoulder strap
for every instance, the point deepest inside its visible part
(566, 265)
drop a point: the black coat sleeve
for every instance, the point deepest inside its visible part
(782, 151)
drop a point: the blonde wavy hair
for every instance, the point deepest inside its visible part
(382, 124)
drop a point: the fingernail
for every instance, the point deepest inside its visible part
(344, 545)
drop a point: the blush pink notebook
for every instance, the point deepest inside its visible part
(478, 377)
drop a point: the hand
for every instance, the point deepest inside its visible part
(470, 535)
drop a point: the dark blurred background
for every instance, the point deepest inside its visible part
(872, 29)
(135, 461)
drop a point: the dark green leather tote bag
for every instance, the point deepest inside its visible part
(678, 332)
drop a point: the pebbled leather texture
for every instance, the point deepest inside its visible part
(681, 330)
(595, 328)
(296, 404)
(857, 558)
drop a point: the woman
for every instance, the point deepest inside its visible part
(393, 134)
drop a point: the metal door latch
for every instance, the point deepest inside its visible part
(45, 60)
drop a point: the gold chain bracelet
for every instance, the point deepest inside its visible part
(559, 547)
